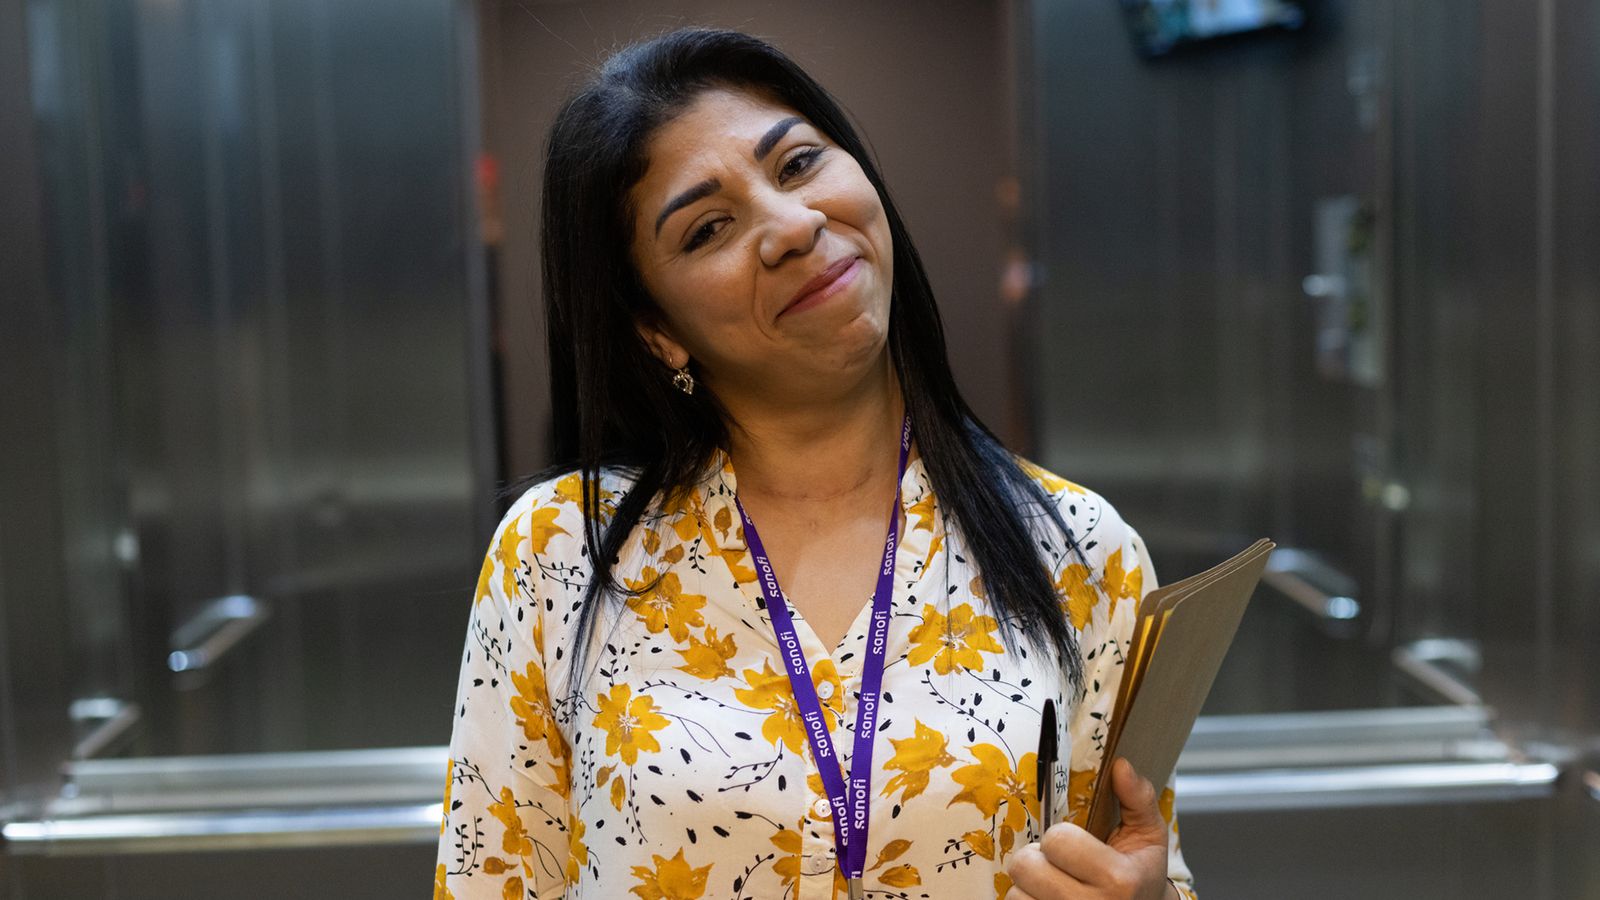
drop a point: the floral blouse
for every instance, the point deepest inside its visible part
(682, 771)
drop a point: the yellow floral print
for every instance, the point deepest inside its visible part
(663, 606)
(577, 853)
(1080, 793)
(769, 689)
(991, 782)
(708, 658)
(1079, 593)
(916, 757)
(1053, 484)
(981, 842)
(1119, 584)
(671, 879)
(901, 876)
(532, 707)
(953, 641)
(628, 723)
(787, 865)
(563, 782)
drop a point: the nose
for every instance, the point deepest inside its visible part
(792, 226)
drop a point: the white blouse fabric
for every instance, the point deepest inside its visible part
(681, 769)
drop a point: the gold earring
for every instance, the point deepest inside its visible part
(683, 381)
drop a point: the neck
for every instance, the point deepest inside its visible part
(827, 450)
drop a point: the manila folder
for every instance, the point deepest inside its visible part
(1180, 637)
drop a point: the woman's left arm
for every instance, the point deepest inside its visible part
(1142, 859)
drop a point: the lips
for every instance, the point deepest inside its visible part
(820, 282)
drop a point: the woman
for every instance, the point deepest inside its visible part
(741, 332)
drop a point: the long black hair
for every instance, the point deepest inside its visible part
(612, 399)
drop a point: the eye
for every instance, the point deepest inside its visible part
(701, 235)
(807, 160)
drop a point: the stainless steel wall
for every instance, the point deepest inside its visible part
(268, 366)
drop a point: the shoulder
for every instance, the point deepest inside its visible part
(547, 517)
(1103, 537)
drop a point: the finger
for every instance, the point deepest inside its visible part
(1033, 874)
(1141, 812)
(1079, 854)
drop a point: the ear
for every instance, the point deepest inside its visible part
(672, 354)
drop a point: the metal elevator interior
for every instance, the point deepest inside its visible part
(265, 363)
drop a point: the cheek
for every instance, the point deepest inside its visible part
(706, 301)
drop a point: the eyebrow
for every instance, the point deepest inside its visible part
(711, 185)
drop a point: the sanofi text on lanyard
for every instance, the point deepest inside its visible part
(849, 807)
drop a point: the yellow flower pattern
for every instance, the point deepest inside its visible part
(628, 724)
(670, 879)
(953, 640)
(676, 766)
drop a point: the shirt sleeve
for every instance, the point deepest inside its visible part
(507, 829)
(1104, 606)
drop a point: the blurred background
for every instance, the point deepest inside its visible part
(270, 339)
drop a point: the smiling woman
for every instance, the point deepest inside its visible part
(659, 699)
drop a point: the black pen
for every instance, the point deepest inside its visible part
(1046, 775)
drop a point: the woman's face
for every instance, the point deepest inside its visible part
(743, 204)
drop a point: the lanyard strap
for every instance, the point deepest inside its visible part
(849, 807)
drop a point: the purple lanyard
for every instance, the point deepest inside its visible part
(849, 809)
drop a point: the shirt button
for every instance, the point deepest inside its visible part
(825, 690)
(822, 808)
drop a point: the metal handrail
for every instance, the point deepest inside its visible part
(383, 797)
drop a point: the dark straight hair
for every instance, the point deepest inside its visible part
(613, 402)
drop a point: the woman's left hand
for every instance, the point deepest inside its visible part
(1069, 863)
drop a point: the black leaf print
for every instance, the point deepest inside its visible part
(741, 735)
(721, 832)
(1028, 681)
(684, 753)
(1015, 697)
(888, 698)
(972, 735)
(1001, 726)
(693, 796)
(655, 769)
(477, 682)
(783, 783)
(895, 813)
(694, 840)
(657, 800)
